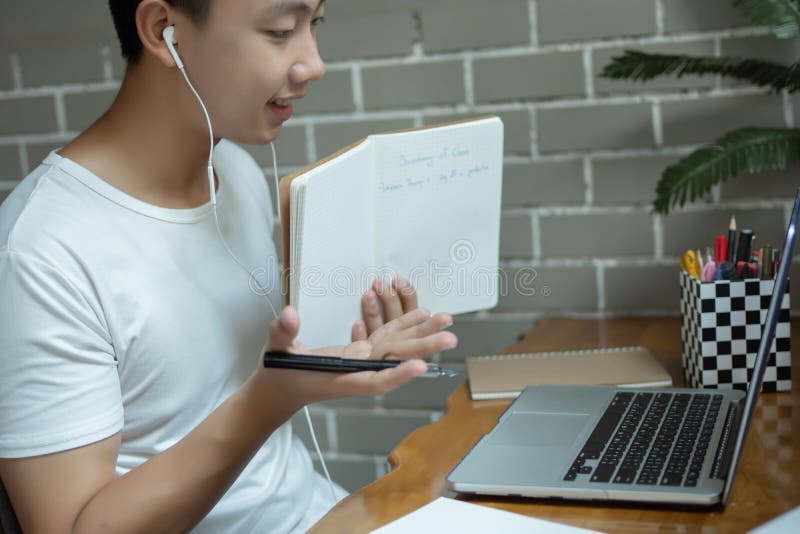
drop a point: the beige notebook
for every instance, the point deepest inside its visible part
(506, 375)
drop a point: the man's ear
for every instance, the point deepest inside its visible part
(152, 16)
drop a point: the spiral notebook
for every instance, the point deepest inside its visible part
(505, 375)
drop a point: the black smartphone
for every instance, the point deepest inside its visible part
(307, 362)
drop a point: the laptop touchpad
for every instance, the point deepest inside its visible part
(539, 429)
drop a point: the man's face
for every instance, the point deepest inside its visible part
(250, 60)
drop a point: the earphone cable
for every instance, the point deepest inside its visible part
(213, 197)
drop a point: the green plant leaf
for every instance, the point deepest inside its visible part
(782, 16)
(750, 150)
(641, 66)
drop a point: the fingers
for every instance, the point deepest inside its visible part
(359, 331)
(386, 302)
(371, 311)
(416, 347)
(283, 330)
(416, 317)
(392, 306)
(432, 325)
(378, 383)
(407, 293)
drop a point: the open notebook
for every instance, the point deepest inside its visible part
(422, 203)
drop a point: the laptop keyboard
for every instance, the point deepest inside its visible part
(649, 438)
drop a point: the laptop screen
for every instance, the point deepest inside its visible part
(767, 337)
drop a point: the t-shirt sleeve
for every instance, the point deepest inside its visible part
(60, 387)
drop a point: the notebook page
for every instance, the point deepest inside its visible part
(335, 247)
(449, 516)
(437, 212)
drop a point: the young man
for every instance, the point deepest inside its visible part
(133, 398)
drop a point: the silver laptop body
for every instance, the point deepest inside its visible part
(622, 444)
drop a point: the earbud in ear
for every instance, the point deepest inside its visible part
(169, 39)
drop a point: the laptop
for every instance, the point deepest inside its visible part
(623, 444)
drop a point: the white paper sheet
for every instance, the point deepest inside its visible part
(783, 524)
(449, 516)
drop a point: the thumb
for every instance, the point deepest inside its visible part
(283, 330)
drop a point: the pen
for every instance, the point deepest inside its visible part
(745, 247)
(731, 240)
(720, 249)
(436, 371)
(308, 362)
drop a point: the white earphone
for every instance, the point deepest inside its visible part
(169, 39)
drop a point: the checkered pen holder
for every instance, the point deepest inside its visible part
(721, 329)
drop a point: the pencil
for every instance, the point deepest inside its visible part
(731, 239)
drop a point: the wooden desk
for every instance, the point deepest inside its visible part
(767, 483)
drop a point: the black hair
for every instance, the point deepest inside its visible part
(124, 14)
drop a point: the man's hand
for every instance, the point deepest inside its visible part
(383, 303)
(409, 337)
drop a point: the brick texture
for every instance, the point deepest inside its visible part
(771, 184)
(385, 431)
(704, 120)
(379, 35)
(290, 148)
(690, 15)
(38, 151)
(85, 108)
(25, 23)
(653, 288)
(413, 85)
(6, 78)
(623, 181)
(423, 393)
(474, 24)
(10, 168)
(595, 127)
(548, 289)
(27, 115)
(350, 474)
(529, 77)
(481, 337)
(604, 236)
(516, 240)
(333, 93)
(300, 428)
(559, 20)
(61, 63)
(543, 183)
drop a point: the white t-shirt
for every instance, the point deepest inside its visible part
(117, 315)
